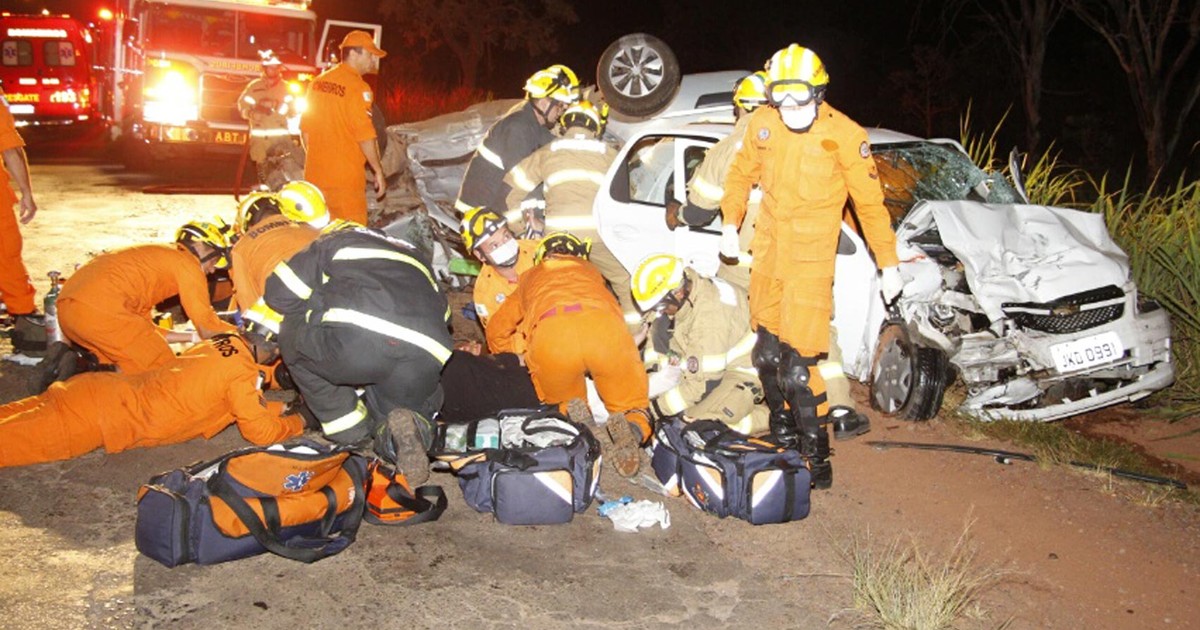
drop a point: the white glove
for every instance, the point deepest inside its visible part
(730, 247)
(891, 284)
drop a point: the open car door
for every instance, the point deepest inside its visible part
(332, 35)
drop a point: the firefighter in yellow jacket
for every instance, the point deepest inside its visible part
(268, 106)
(198, 394)
(574, 329)
(571, 170)
(808, 158)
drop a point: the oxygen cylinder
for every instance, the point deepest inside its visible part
(50, 308)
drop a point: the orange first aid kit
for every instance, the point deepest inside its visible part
(302, 500)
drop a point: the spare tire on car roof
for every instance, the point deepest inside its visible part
(638, 75)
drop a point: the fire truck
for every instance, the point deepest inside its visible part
(46, 69)
(173, 70)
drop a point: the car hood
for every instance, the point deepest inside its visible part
(1022, 253)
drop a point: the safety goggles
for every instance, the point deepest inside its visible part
(794, 92)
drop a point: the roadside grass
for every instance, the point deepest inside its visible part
(410, 102)
(898, 585)
(1054, 444)
(1158, 228)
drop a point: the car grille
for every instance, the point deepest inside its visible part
(218, 98)
(1069, 314)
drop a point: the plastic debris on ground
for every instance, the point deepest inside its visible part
(21, 359)
(629, 516)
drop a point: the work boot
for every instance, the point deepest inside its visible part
(815, 447)
(29, 335)
(784, 429)
(619, 441)
(848, 423)
(579, 412)
(403, 441)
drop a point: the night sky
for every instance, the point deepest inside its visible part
(871, 49)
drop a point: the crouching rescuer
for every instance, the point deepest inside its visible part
(573, 327)
(808, 158)
(363, 312)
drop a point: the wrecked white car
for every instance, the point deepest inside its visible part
(1033, 307)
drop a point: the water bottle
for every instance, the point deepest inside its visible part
(50, 308)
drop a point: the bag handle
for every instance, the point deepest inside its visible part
(428, 503)
(306, 549)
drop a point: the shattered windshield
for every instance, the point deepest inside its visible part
(914, 171)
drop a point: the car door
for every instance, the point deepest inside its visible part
(630, 209)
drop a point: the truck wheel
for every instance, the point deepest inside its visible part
(638, 75)
(907, 380)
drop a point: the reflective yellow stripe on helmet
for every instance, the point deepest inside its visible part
(292, 281)
(384, 327)
(346, 422)
(368, 253)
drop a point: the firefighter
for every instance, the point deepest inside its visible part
(361, 310)
(198, 394)
(570, 170)
(808, 158)
(504, 257)
(704, 190)
(267, 105)
(337, 131)
(16, 291)
(106, 305)
(267, 238)
(574, 329)
(517, 134)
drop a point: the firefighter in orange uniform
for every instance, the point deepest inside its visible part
(105, 306)
(15, 289)
(574, 328)
(197, 394)
(808, 158)
(504, 257)
(337, 131)
(270, 235)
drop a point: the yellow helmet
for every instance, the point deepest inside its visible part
(751, 91)
(215, 235)
(585, 114)
(796, 74)
(562, 243)
(253, 207)
(303, 202)
(557, 82)
(655, 277)
(479, 223)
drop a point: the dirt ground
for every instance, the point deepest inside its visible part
(1074, 549)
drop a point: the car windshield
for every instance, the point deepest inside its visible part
(926, 171)
(224, 33)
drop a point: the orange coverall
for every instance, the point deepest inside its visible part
(197, 394)
(15, 289)
(806, 179)
(337, 119)
(105, 306)
(574, 328)
(259, 250)
(491, 288)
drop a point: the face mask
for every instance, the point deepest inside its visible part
(506, 254)
(799, 118)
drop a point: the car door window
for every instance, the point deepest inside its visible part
(650, 166)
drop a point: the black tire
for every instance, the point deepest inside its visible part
(638, 75)
(908, 381)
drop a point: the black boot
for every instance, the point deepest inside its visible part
(817, 447)
(783, 429)
(848, 423)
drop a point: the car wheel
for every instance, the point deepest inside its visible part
(907, 380)
(638, 75)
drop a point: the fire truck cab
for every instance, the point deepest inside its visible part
(176, 68)
(46, 69)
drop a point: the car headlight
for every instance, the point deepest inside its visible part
(170, 93)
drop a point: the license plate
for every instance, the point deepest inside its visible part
(230, 137)
(20, 108)
(1080, 354)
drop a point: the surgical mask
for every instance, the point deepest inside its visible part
(506, 254)
(799, 118)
